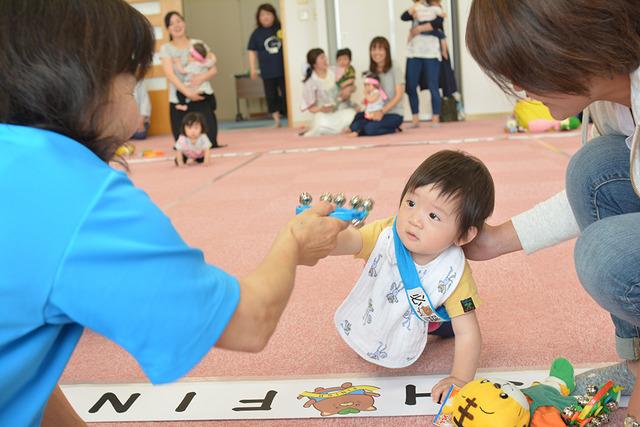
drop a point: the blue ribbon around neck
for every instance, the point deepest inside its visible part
(409, 275)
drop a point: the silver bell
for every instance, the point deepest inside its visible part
(355, 202)
(326, 197)
(568, 412)
(367, 205)
(583, 400)
(339, 200)
(591, 390)
(604, 418)
(305, 199)
(612, 406)
(357, 223)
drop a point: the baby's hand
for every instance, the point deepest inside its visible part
(442, 387)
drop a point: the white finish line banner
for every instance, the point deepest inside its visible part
(316, 397)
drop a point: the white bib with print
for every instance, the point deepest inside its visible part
(376, 319)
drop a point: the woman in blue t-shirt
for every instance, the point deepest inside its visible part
(265, 44)
(106, 258)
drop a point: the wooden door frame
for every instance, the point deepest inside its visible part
(160, 122)
(287, 71)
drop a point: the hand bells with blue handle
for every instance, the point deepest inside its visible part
(360, 208)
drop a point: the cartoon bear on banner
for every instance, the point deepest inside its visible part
(343, 400)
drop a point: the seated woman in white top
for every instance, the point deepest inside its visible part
(320, 97)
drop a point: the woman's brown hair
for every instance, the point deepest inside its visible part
(58, 59)
(554, 46)
(384, 43)
(312, 57)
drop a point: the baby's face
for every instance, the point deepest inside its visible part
(427, 223)
(343, 61)
(193, 131)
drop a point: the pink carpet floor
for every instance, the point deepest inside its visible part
(534, 311)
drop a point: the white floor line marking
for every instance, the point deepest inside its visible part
(296, 150)
(207, 184)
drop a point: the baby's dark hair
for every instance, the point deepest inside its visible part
(201, 49)
(462, 177)
(370, 75)
(52, 77)
(192, 118)
(344, 52)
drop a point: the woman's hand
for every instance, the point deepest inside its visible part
(492, 242)
(376, 116)
(421, 28)
(253, 74)
(442, 387)
(327, 109)
(193, 95)
(316, 233)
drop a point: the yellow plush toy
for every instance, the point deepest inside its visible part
(484, 403)
(497, 403)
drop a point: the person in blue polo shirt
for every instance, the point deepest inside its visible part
(80, 245)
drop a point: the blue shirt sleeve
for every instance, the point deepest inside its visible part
(129, 276)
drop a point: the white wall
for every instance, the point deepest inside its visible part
(356, 34)
(305, 28)
(481, 94)
(358, 22)
(226, 25)
(400, 33)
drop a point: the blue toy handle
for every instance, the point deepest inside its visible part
(343, 214)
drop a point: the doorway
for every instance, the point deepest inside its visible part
(226, 25)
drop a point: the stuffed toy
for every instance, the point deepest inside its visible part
(534, 116)
(495, 403)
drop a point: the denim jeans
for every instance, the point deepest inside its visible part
(390, 123)
(607, 253)
(417, 70)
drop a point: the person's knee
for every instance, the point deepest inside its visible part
(368, 129)
(395, 122)
(372, 128)
(578, 170)
(140, 135)
(608, 274)
(586, 164)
